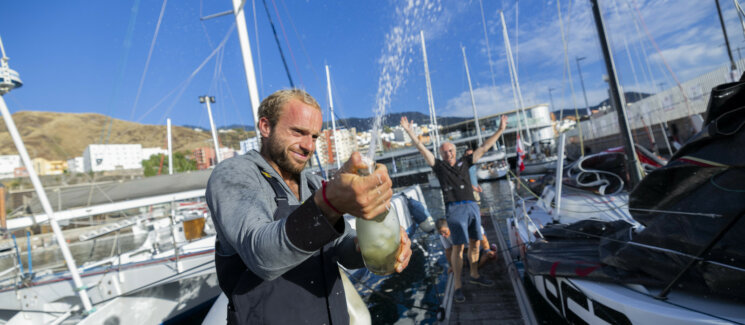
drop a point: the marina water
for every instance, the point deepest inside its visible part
(413, 296)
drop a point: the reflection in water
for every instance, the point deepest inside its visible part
(414, 294)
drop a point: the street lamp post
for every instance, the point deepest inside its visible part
(551, 97)
(582, 82)
(207, 100)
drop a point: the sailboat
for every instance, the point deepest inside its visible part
(155, 267)
(538, 160)
(492, 165)
(657, 255)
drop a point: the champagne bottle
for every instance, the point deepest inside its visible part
(379, 238)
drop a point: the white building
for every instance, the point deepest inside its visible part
(75, 165)
(226, 153)
(102, 157)
(363, 141)
(328, 151)
(148, 152)
(400, 135)
(248, 145)
(8, 163)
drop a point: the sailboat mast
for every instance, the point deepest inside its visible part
(207, 100)
(170, 147)
(617, 100)
(248, 63)
(473, 101)
(513, 71)
(333, 119)
(430, 99)
(6, 85)
(733, 67)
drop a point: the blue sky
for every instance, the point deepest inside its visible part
(89, 56)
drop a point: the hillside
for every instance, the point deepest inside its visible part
(392, 119)
(366, 123)
(60, 136)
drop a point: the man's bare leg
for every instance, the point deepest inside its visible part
(457, 264)
(473, 257)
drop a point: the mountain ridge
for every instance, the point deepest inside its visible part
(360, 123)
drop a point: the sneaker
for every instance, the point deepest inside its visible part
(458, 296)
(482, 281)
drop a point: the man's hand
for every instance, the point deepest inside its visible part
(405, 123)
(361, 196)
(503, 122)
(404, 252)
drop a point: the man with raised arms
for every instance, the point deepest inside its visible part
(461, 210)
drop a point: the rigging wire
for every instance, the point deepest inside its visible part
(219, 76)
(147, 61)
(626, 46)
(279, 46)
(287, 40)
(643, 48)
(319, 83)
(659, 52)
(491, 67)
(182, 86)
(232, 99)
(569, 73)
(517, 36)
(106, 132)
(513, 84)
(258, 47)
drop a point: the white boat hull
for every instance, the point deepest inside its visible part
(492, 173)
(156, 288)
(594, 302)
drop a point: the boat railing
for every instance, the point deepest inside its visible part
(527, 219)
(49, 260)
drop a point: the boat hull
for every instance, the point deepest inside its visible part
(152, 290)
(583, 301)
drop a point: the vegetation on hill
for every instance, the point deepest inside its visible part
(158, 164)
(233, 137)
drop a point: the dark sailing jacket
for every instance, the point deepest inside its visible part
(277, 267)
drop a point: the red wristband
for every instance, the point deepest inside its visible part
(325, 199)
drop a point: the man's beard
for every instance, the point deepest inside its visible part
(279, 154)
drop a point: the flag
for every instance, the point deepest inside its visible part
(520, 153)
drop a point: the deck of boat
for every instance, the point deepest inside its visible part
(506, 302)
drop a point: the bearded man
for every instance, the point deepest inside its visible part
(280, 231)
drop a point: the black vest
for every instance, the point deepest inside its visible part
(310, 293)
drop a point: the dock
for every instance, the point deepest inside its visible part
(506, 302)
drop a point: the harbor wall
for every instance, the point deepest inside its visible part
(673, 105)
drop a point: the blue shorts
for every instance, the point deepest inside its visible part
(464, 221)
